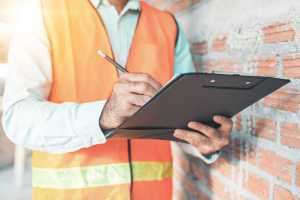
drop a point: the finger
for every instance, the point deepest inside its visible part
(204, 129)
(141, 77)
(138, 100)
(128, 105)
(125, 88)
(121, 87)
(191, 137)
(132, 109)
(226, 123)
(199, 141)
(141, 88)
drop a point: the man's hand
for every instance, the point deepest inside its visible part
(131, 92)
(205, 138)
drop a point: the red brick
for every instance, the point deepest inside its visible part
(291, 67)
(235, 148)
(219, 44)
(243, 150)
(221, 66)
(219, 188)
(251, 155)
(259, 186)
(275, 165)
(281, 193)
(200, 48)
(284, 99)
(266, 128)
(279, 32)
(266, 67)
(298, 175)
(290, 134)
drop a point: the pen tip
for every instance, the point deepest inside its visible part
(101, 53)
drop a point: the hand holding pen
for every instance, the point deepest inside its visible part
(129, 94)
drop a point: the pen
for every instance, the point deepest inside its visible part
(110, 60)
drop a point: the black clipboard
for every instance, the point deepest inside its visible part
(195, 97)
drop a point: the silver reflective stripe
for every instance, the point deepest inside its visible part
(97, 176)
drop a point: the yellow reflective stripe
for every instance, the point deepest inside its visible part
(97, 176)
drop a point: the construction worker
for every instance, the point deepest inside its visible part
(61, 98)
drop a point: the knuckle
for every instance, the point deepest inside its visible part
(133, 85)
(216, 147)
(207, 149)
(123, 76)
(177, 132)
(148, 78)
(117, 87)
(129, 99)
(225, 142)
(131, 110)
(221, 144)
(146, 99)
(144, 87)
(211, 131)
(139, 100)
(197, 143)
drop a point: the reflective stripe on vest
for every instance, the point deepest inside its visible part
(104, 175)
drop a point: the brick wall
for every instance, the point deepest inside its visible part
(257, 37)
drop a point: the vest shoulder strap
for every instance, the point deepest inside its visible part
(171, 21)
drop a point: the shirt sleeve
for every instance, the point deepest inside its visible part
(28, 118)
(183, 64)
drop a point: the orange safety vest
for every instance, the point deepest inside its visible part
(76, 32)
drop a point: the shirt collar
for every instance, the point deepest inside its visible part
(131, 5)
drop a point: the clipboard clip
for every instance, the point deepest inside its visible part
(232, 82)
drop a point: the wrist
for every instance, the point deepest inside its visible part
(104, 122)
(107, 120)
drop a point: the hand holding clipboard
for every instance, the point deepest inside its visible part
(193, 97)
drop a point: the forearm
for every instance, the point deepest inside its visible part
(55, 128)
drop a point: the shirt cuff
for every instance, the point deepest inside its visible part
(87, 123)
(208, 159)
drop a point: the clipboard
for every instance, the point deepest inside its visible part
(195, 97)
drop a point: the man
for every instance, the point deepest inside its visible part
(61, 98)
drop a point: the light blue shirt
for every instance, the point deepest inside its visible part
(121, 28)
